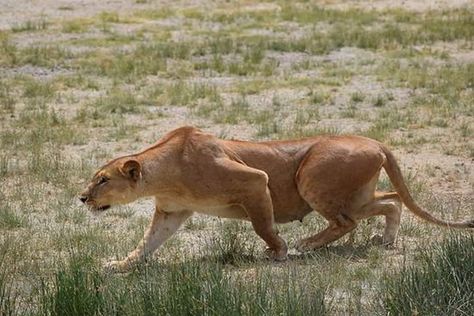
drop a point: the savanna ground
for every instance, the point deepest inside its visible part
(83, 82)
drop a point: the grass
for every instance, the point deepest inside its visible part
(357, 97)
(144, 60)
(9, 219)
(191, 287)
(267, 124)
(30, 26)
(446, 272)
(379, 101)
(188, 94)
(79, 91)
(7, 100)
(76, 26)
(43, 125)
(118, 101)
(238, 111)
(35, 55)
(388, 120)
(8, 300)
(319, 97)
(232, 245)
(74, 290)
(7, 49)
(38, 89)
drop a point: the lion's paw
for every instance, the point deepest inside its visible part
(276, 255)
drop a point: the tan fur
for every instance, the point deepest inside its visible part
(266, 182)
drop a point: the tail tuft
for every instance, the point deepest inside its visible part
(470, 223)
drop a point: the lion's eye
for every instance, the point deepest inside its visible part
(102, 180)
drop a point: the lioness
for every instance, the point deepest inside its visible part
(270, 182)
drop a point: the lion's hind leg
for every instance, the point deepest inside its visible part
(385, 204)
(338, 227)
(388, 205)
(336, 179)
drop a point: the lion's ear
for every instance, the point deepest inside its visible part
(132, 169)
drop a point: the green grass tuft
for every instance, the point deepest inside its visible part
(9, 219)
(443, 283)
(30, 26)
(75, 289)
(232, 245)
(8, 299)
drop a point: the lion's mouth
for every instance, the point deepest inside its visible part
(97, 208)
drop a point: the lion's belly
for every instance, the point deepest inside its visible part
(288, 205)
(224, 211)
(280, 162)
(204, 206)
(285, 210)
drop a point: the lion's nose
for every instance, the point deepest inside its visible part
(83, 199)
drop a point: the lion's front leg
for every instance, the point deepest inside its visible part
(254, 195)
(162, 226)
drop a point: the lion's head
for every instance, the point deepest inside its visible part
(115, 183)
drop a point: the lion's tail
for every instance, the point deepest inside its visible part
(394, 173)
